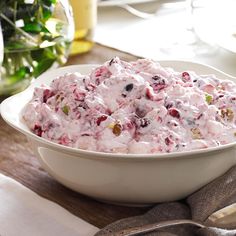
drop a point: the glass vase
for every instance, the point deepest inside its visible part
(36, 36)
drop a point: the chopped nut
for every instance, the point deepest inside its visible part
(208, 98)
(111, 126)
(220, 87)
(196, 134)
(66, 109)
(227, 113)
(117, 129)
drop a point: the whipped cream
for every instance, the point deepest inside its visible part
(136, 107)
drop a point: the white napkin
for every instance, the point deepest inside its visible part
(23, 212)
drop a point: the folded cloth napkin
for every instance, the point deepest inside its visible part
(199, 206)
(23, 212)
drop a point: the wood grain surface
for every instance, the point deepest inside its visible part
(18, 161)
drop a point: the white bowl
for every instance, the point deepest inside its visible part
(124, 178)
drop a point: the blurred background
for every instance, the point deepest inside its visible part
(39, 35)
(198, 30)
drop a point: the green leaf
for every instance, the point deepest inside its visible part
(44, 53)
(33, 27)
(45, 58)
(14, 45)
(47, 12)
(19, 75)
(42, 66)
(49, 2)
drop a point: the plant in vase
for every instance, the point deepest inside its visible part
(36, 35)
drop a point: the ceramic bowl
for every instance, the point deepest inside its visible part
(124, 178)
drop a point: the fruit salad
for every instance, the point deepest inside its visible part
(134, 107)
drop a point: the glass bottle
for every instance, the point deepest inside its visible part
(85, 17)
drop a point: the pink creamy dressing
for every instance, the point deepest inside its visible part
(136, 107)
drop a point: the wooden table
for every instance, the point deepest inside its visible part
(18, 161)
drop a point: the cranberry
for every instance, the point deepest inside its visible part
(101, 119)
(83, 105)
(144, 122)
(64, 140)
(168, 141)
(172, 123)
(47, 93)
(149, 94)
(112, 61)
(190, 122)
(174, 112)
(97, 81)
(200, 116)
(159, 119)
(108, 111)
(168, 105)
(130, 125)
(156, 77)
(38, 130)
(129, 87)
(158, 86)
(185, 76)
(90, 87)
(140, 112)
(161, 82)
(232, 99)
(99, 71)
(79, 96)
(208, 88)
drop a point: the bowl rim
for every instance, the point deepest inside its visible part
(101, 155)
